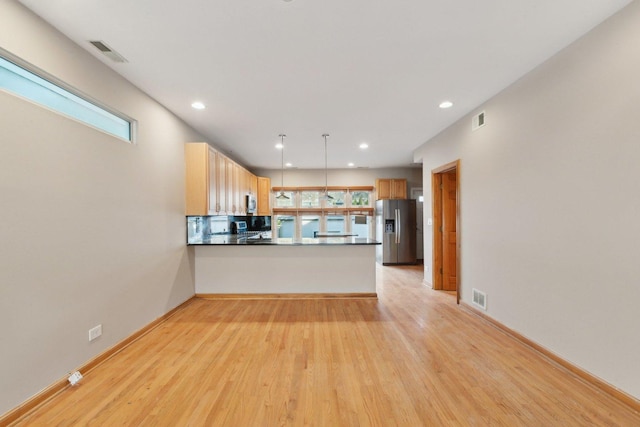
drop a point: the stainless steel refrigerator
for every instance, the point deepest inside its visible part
(396, 229)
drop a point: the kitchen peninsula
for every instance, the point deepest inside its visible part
(226, 265)
(221, 195)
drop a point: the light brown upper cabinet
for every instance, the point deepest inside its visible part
(264, 193)
(232, 186)
(199, 178)
(391, 188)
(244, 180)
(253, 185)
(215, 184)
(221, 189)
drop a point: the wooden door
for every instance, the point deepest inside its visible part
(449, 235)
(445, 190)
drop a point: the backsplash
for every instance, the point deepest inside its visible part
(199, 227)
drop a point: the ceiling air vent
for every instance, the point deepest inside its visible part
(107, 51)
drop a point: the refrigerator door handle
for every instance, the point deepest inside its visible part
(395, 226)
(398, 226)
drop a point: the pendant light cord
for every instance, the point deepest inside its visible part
(282, 195)
(282, 157)
(326, 181)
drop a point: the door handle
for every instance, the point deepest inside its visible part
(398, 226)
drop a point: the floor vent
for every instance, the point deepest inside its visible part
(479, 299)
(107, 51)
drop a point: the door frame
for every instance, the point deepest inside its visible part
(436, 206)
(416, 193)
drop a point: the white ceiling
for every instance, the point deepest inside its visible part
(361, 70)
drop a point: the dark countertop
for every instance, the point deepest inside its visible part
(305, 241)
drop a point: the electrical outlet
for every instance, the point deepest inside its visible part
(75, 377)
(95, 332)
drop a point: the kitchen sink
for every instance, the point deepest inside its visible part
(258, 241)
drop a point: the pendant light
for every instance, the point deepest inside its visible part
(326, 195)
(282, 196)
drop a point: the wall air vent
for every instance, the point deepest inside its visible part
(478, 121)
(107, 51)
(479, 299)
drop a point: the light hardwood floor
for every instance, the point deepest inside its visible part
(410, 358)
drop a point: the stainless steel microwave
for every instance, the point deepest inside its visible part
(252, 205)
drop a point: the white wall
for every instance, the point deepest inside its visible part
(550, 201)
(336, 177)
(346, 177)
(92, 229)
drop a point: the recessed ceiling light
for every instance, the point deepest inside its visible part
(351, 164)
(288, 165)
(198, 105)
(446, 104)
(364, 146)
(279, 146)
